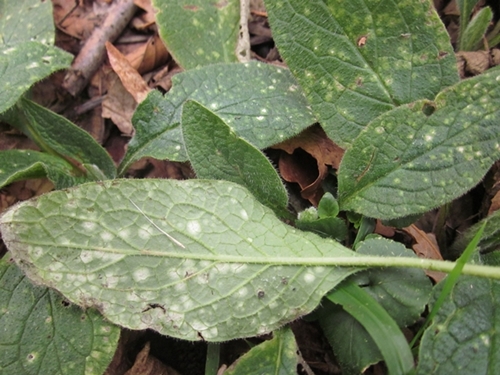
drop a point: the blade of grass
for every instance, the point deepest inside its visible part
(450, 281)
(212, 361)
(379, 324)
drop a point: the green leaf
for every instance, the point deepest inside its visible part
(358, 59)
(23, 164)
(41, 333)
(211, 27)
(409, 160)
(464, 337)
(465, 8)
(476, 29)
(191, 259)
(402, 292)
(24, 64)
(382, 328)
(328, 206)
(277, 356)
(56, 135)
(261, 102)
(25, 21)
(352, 345)
(333, 227)
(216, 152)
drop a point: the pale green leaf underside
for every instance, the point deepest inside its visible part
(277, 356)
(358, 59)
(190, 259)
(26, 20)
(23, 164)
(24, 64)
(465, 335)
(41, 334)
(216, 152)
(407, 162)
(261, 102)
(199, 32)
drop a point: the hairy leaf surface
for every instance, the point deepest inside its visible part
(261, 102)
(422, 155)
(216, 152)
(211, 27)
(23, 64)
(41, 333)
(358, 59)
(196, 259)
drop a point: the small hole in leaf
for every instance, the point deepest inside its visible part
(261, 294)
(428, 108)
(65, 303)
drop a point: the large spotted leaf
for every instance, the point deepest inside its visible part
(422, 155)
(194, 259)
(357, 59)
(261, 103)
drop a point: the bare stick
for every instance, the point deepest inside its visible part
(156, 226)
(92, 54)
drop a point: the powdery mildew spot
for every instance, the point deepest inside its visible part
(86, 256)
(141, 274)
(89, 226)
(242, 292)
(193, 227)
(124, 233)
(309, 278)
(106, 236)
(244, 214)
(143, 233)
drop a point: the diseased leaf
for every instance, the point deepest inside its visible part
(216, 152)
(26, 21)
(358, 59)
(41, 333)
(57, 135)
(261, 102)
(23, 64)
(464, 336)
(196, 259)
(211, 27)
(23, 164)
(422, 155)
(277, 356)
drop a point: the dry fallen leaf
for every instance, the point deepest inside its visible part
(119, 105)
(131, 79)
(295, 167)
(426, 247)
(146, 364)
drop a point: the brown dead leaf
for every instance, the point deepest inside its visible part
(426, 247)
(131, 79)
(119, 105)
(474, 63)
(146, 364)
(79, 18)
(148, 56)
(294, 166)
(146, 19)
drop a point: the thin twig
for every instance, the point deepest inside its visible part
(92, 54)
